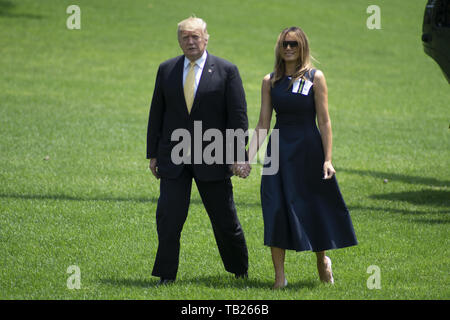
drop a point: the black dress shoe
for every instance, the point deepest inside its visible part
(165, 282)
(241, 275)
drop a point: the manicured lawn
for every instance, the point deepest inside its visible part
(81, 97)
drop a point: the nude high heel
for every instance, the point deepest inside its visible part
(330, 270)
(281, 287)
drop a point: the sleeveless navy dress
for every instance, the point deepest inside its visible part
(301, 211)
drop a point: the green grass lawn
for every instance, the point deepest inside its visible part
(81, 97)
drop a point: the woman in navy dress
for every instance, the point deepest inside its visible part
(302, 205)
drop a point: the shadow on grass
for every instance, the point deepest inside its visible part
(219, 282)
(138, 283)
(444, 220)
(428, 197)
(77, 198)
(250, 283)
(7, 11)
(436, 195)
(64, 197)
(398, 177)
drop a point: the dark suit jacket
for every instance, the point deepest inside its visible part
(219, 103)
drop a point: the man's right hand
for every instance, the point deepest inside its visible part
(154, 167)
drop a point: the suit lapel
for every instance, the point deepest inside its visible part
(177, 79)
(205, 80)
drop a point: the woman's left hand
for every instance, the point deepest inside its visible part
(328, 170)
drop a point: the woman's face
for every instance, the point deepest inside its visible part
(290, 51)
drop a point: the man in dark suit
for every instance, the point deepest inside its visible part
(194, 93)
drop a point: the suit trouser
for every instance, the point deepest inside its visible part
(172, 211)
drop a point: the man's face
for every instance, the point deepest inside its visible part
(193, 43)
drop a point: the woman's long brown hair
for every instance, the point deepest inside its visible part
(304, 60)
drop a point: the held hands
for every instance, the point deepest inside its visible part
(241, 170)
(328, 170)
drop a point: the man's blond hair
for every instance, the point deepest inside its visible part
(193, 23)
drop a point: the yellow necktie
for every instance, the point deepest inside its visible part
(189, 87)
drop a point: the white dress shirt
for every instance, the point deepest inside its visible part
(198, 69)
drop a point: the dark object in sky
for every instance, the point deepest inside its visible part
(436, 33)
